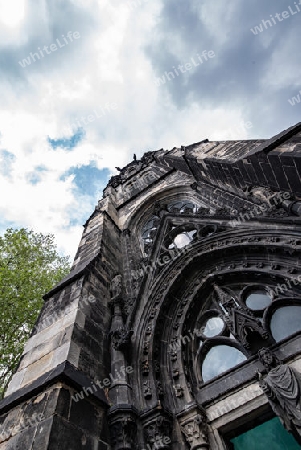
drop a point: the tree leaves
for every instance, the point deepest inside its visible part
(29, 267)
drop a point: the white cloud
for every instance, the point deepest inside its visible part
(107, 65)
(12, 12)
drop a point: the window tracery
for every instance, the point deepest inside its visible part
(181, 237)
(258, 300)
(283, 317)
(219, 359)
(235, 324)
(149, 232)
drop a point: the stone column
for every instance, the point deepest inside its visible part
(122, 415)
(194, 428)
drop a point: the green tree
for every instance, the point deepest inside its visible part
(29, 267)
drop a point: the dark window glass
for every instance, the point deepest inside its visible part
(219, 359)
(181, 207)
(258, 300)
(270, 435)
(285, 321)
(150, 228)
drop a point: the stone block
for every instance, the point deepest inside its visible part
(72, 437)
(37, 369)
(41, 439)
(74, 354)
(45, 335)
(233, 401)
(60, 354)
(80, 319)
(22, 441)
(41, 350)
(16, 382)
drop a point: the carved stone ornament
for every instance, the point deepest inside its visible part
(145, 347)
(173, 356)
(147, 392)
(145, 367)
(175, 373)
(195, 432)
(282, 386)
(157, 367)
(178, 390)
(121, 338)
(240, 320)
(262, 194)
(222, 212)
(116, 287)
(244, 326)
(147, 158)
(160, 390)
(157, 433)
(123, 433)
(115, 181)
(131, 169)
(279, 212)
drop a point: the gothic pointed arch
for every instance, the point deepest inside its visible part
(204, 305)
(179, 323)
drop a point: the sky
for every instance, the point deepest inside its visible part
(85, 84)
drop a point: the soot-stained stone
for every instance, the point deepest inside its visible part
(63, 403)
(163, 304)
(23, 440)
(67, 436)
(84, 414)
(42, 435)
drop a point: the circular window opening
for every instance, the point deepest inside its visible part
(258, 300)
(285, 321)
(212, 327)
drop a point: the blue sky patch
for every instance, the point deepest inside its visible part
(67, 143)
(40, 168)
(88, 179)
(35, 176)
(6, 162)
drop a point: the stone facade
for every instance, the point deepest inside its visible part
(163, 277)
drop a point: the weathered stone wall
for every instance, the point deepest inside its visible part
(274, 163)
(71, 350)
(50, 344)
(53, 420)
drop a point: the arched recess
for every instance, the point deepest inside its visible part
(147, 209)
(232, 261)
(136, 263)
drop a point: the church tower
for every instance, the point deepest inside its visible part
(179, 325)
